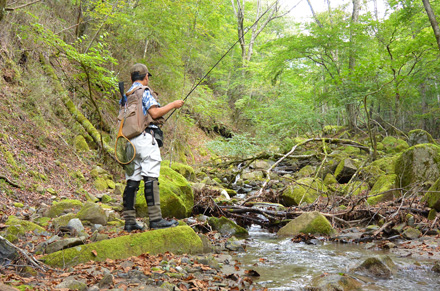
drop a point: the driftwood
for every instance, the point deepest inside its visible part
(34, 262)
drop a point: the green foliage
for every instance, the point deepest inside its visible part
(240, 145)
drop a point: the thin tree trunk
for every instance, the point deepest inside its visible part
(2, 8)
(433, 21)
(314, 15)
(351, 107)
(79, 117)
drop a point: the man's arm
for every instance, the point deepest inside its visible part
(157, 112)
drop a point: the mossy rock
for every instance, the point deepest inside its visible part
(185, 170)
(342, 282)
(306, 171)
(64, 206)
(62, 220)
(346, 169)
(101, 184)
(93, 213)
(394, 145)
(305, 190)
(310, 222)
(177, 240)
(382, 189)
(81, 144)
(226, 226)
(382, 267)
(417, 165)
(176, 195)
(432, 197)
(356, 188)
(43, 221)
(330, 180)
(419, 136)
(18, 227)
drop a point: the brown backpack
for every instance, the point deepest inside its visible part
(132, 113)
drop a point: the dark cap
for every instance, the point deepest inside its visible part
(139, 69)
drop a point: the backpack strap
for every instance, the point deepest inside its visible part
(137, 88)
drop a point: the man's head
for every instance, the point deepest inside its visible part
(138, 72)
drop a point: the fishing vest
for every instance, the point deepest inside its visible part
(135, 122)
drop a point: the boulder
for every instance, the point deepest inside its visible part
(261, 165)
(305, 190)
(81, 144)
(383, 190)
(340, 282)
(378, 168)
(356, 188)
(306, 171)
(330, 179)
(411, 233)
(18, 227)
(345, 170)
(252, 176)
(72, 284)
(62, 220)
(63, 207)
(7, 252)
(226, 226)
(185, 170)
(310, 222)
(177, 240)
(432, 197)
(419, 136)
(93, 213)
(382, 267)
(417, 165)
(394, 145)
(176, 195)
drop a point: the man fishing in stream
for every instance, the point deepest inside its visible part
(145, 164)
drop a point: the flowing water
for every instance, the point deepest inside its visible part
(284, 265)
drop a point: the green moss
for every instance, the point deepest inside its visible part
(18, 205)
(19, 227)
(432, 197)
(310, 222)
(332, 129)
(176, 195)
(306, 171)
(111, 184)
(58, 208)
(306, 190)
(178, 240)
(226, 226)
(25, 287)
(432, 214)
(384, 185)
(185, 170)
(356, 188)
(100, 184)
(43, 221)
(38, 175)
(418, 164)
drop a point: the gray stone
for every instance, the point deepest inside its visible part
(7, 252)
(92, 213)
(72, 284)
(382, 267)
(106, 281)
(411, 233)
(64, 244)
(419, 136)
(76, 224)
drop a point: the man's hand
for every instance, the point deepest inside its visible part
(178, 103)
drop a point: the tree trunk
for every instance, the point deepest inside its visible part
(79, 117)
(351, 107)
(433, 21)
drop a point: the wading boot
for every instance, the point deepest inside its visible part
(128, 200)
(152, 197)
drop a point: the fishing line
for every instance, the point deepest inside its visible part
(223, 56)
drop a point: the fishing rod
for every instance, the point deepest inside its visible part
(224, 55)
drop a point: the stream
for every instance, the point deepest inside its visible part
(285, 265)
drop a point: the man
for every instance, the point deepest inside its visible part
(147, 159)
